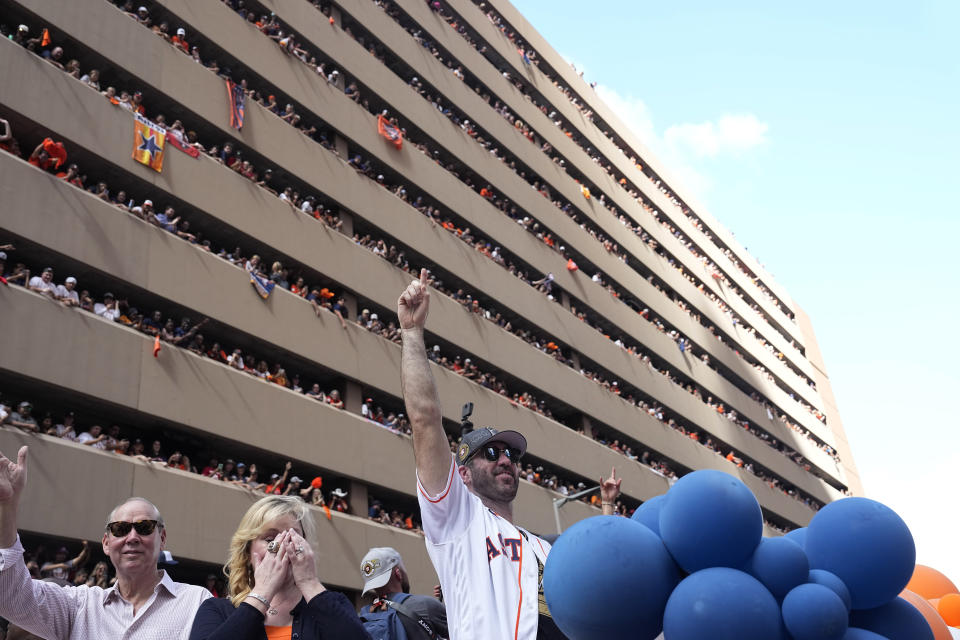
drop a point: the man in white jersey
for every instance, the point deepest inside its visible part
(490, 569)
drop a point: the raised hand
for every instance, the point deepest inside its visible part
(414, 303)
(13, 476)
(610, 488)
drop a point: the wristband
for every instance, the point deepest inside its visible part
(257, 596)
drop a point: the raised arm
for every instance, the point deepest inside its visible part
(420, 396)
(13, 477)
(81, 559)
(609, 492)
(41, 608)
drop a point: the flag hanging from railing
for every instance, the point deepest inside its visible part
(148, 140)
(237, 99)
(389, 131)
(263, 285)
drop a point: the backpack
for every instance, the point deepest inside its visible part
(388, 625)
(384, 625)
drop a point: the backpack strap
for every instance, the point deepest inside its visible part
(403, 609)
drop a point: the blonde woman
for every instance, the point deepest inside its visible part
(273, 586)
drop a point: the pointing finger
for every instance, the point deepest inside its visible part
(423, 277)
(22, 456)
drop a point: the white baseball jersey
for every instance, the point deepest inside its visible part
(487, 568)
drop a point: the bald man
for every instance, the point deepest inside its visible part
(144, 602)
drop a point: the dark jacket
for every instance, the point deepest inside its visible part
(328, 616)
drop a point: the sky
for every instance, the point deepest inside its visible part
(824, 136)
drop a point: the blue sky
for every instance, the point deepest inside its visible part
(825, 136)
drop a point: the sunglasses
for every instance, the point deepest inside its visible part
(142, 527)
(492, 453)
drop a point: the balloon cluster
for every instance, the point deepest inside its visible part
(693, 564)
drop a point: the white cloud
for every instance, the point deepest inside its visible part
(681, 145)
(923, 495)
(729, 134)
(632, 111)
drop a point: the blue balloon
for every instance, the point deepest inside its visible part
(827, 579)
(721, 604)
(862, 634)
(710, 519)
(648, 513)
(798, 535)
(779, 564)
(896, 620)
(865, 544)
(609, 577)
(814, 612)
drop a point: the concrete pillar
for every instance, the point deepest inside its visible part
(352, 397)
(587, 425)
(347, 227)
(351, 301)
(575, 358)
(358, 499)
(339, 142)
(565, 300)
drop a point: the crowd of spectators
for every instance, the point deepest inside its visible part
(169, 221)
(183, 333)
(138, 444)
(271, 26)
(529, 57)
(366, 167)
(486, 191)
(527, 54)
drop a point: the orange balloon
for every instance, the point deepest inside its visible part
(937, 625)
(949, 609)
(930, 583)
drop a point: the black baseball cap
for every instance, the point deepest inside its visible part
(474, 441)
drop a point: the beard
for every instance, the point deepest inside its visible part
(493, 484)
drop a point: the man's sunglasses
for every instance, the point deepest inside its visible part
(492, 453)
(142, 527)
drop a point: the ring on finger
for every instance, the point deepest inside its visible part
(299, 550)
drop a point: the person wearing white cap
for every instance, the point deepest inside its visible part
(67, 294)
(421, 617)
(180, 40)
